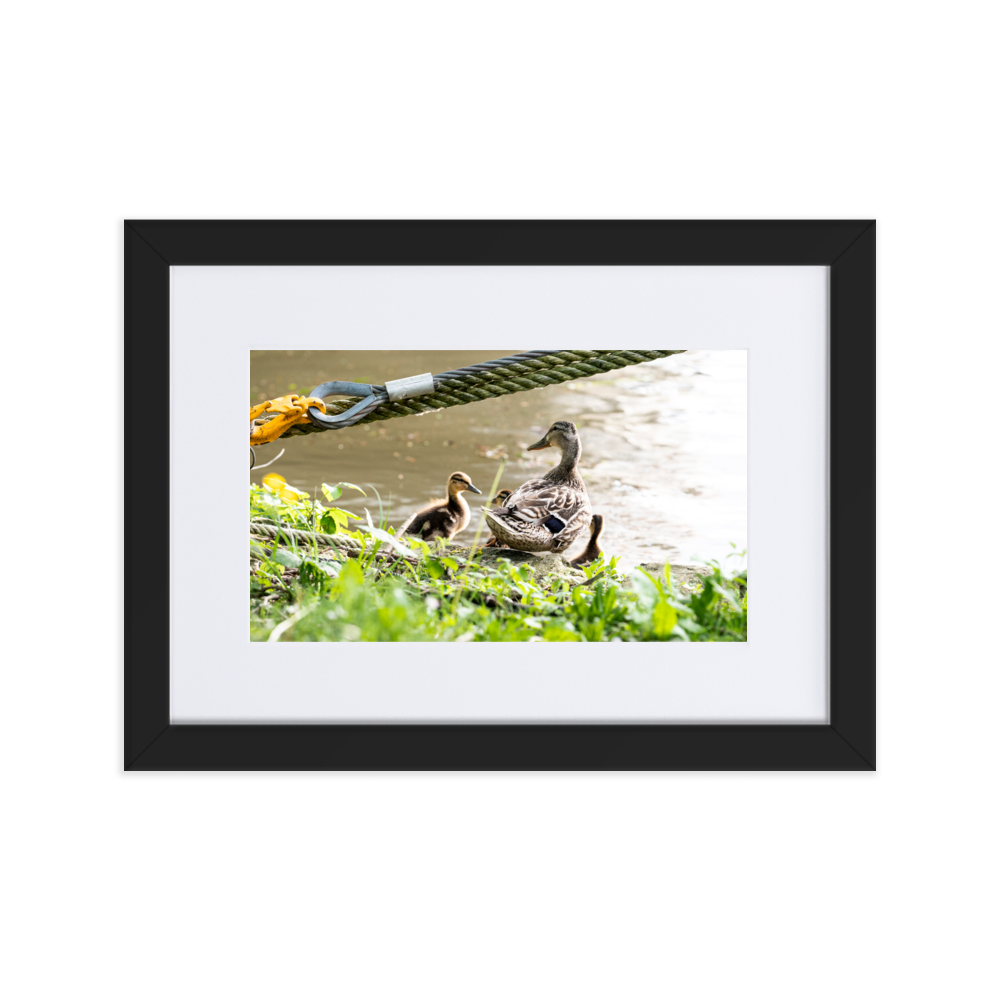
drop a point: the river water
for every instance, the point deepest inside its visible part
(664, 444)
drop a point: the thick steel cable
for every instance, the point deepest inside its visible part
(502, 377)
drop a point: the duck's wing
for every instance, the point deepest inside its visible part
(526, 490)
(537, 500)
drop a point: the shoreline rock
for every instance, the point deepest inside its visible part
(686, 573)
(540, 563)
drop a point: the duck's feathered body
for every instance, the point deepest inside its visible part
(442, 518)
(546, 514)
(498, 501)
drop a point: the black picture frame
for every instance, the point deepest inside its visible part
(846, 743)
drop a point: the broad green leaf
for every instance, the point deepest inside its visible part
(727, 595)
(286, 558)
(645, 587)
(664, 620)
(384, 536)
(556, 634)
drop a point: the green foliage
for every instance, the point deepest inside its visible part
(405, 590)
(295, 509)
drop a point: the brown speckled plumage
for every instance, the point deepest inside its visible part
(443, 518)
(547, 514)
(498, 501)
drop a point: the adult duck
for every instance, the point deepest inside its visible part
(443, 518)
(547, 514)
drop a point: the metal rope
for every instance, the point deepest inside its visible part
(502, 377)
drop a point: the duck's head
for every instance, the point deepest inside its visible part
(596, 527)
(459, 482)
(500, 500)
(562, 434)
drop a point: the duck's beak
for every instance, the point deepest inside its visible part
(472, 489)
(538, 445)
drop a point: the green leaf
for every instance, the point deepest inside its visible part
(645, 587)
(680, 631)
(449, 562)
(664, 620)
(384, 536)
(331, 492)
(311, 573)
(334, 519)
(286, 558)
(351, 576)
(727, 595)
(555, 633)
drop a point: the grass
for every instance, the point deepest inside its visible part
(440, 593)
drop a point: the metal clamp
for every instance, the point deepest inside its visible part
(407, 388)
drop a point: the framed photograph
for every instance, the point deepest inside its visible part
(506, 482)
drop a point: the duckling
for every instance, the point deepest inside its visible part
(593, 549)
(547, 514)
(498, 501)
(443, 518)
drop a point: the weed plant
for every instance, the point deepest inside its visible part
(402, 589)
